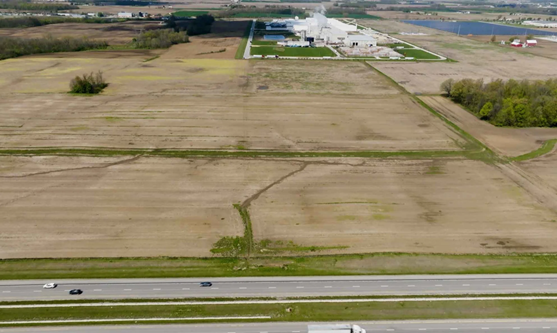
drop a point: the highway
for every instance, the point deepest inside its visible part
(460, 326)
(281, 287)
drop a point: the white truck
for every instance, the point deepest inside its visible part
(335, 328)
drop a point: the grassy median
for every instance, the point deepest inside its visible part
(303, 312)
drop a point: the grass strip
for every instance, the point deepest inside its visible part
(292, 51)
(243, 42)
(320, 265)
(248, 231)
(225, 153)
(305, 311)
(546, 148)
(486, 155)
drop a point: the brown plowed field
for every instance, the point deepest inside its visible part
(212, 104)
(90, 207)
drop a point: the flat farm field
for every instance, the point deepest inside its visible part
(170, 102)
(143, 206)
(475, 60)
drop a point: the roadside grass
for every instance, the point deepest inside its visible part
(293, 51)
(318, 265)
(190, 13)
(418, 54)
(546, 148)
(302, 312)
(243, 42)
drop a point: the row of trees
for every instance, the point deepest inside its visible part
(511, 103)
(16, 47)
(159, 39)
(25, 22)
(25, 5)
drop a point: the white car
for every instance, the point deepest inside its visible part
(50, 286)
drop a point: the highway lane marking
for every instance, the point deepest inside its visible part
(214, 288)
(6, 291)
(516, 328)
(97, 290)
(243, 288)
(485, 328)
(156, 288)
(355, 286)
(272, 287)
(439, 285)
(384, 286)
(422, 329)
(454, 329)
(328, 287)
(547, 284)
(519, 284)
(127, 290)
(411, 285)
(185, 288)
(37, 291)
(299, 287)
(466, 285)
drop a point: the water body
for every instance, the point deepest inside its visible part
(273, 37)
(480, 28)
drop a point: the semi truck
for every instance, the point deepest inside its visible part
(335, 328)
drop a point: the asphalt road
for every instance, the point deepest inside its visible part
(461, 326)
(281, 287)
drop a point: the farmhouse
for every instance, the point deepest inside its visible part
(516, 43)
(531, 42)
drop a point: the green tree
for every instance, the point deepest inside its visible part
(447, 86)
(486, 110)
(493, 38)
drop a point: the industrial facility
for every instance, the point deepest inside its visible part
(323, 30)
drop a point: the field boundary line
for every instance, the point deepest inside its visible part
(547, 147)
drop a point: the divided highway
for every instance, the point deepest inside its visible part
(460, 326)
(281, 287)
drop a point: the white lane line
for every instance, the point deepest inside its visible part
(295, 331)
(185, 288)
(547, 284)
(519, 284)
(516, 328)
(97, 290)
(485, 328)
(411, 285)
(6, 291)
(243, 288)
(272, 287)
(355, 286)
(299, 287)
(422, 329)
(214, 288)
(384, 286)
(127, 290)
(156, 288)
(328, 287)
(439, 285)
(466, 285)
(37, 291)
(546, 328)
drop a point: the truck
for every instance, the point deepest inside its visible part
(335, 328)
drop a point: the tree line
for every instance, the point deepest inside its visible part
(511, 103)
(24, 5)
(16, 47)
(159, 39)
(26, 22)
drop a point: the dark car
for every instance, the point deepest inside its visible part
(76, 292)
(205, 284)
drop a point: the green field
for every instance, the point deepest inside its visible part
(397, 310)
(190, 13)
(264, 42)
(293, 51)
(418, 54)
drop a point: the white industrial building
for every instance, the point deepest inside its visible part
(319, 28)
